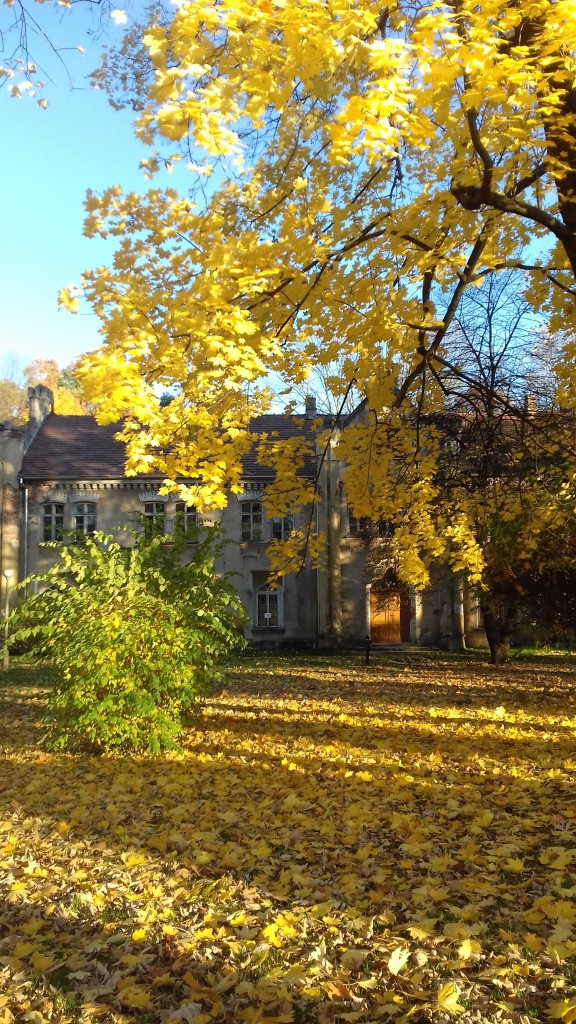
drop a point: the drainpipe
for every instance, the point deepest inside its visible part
(317, 637)
(24, 536)
(1, 519)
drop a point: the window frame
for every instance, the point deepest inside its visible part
(189, 517)
(252, 521)
(358, 526)
(153, 521)
(50, 523)
(282, 526)
(269, 612)
(85, 529)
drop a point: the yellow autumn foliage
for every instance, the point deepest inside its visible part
(354, 169)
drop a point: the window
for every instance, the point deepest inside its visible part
(153, 518)
(252, 518)
(84, 517)
(358, 526)
(281, 527)
(185, 517)
(476, 620)
(53, 521)
(268, 606)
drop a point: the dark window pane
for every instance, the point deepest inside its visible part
(185, 517)
(252, 518)
(53, 521)
(85, 517)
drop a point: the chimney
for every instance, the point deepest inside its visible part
(40, 405)
(310, 407)
(530, 405)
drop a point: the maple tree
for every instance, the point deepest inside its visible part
(335, 843)
(354, 170)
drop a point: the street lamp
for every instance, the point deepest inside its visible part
(7, 574)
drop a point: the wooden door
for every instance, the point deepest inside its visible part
(385, 626)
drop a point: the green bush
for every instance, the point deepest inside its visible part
(133, 638)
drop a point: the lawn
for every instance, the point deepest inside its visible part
(338, 842)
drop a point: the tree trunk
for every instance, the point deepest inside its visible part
(498, 628)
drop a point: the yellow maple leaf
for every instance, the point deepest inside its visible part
(353, 958)
(133, 859)
(32, 926)
(136, 997)
(469, 948)
(447, 998)
(563, 1009)
(398, 959)
(422, 929)
(42, 961)
(457, 930)
(514, 864)
(24, 949)
(564, 858)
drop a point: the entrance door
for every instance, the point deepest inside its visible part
(389, 617)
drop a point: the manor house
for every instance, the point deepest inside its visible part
(62, 473)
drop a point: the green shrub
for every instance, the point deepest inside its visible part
(133, 638)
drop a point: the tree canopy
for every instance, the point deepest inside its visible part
(355, 170)
(64, 385)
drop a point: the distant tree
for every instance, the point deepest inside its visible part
(63, 384)
(43, 371)
(504, 452)
(13, 402)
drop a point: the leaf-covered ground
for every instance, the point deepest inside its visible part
(394, 842)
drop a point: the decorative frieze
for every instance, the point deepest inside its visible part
(152, 496)
(252, 492)
(85, 495)
(61, 495)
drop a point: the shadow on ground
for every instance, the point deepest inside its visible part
(383, 794)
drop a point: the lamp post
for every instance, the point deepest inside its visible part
(7, 574)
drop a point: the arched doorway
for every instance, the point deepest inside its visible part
(389, 616)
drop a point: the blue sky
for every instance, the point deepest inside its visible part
(48, 160)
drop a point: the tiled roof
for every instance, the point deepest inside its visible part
(74, 448)
(77, 448)
(282, 427)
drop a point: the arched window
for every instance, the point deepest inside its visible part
(84, 517)
(268, 606)
(53, 521)
(252, 518)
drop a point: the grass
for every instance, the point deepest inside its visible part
(337, 842)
